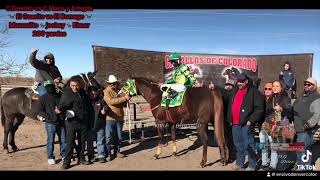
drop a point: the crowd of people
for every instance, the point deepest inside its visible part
(273, 112)
(79, 116)
(83, 116)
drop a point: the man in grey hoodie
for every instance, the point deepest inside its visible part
(45, 70)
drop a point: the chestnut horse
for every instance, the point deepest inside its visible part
(199, 106)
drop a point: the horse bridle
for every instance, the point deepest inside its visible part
(152, 108)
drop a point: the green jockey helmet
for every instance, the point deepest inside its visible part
(46, 83)
(175, 56)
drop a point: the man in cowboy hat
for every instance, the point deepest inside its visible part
(114, 119)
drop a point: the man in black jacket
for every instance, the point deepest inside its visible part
(245, 108)
(98, 110)
(54, 121)
(76, 100)
(45, 70)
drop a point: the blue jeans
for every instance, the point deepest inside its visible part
(101, 142)
(90, 140)
(243, 139)
(307, 139)
(265, 148)
(113, 134)
(41, 90)
(52, 129)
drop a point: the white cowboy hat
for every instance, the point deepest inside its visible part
(112, 79)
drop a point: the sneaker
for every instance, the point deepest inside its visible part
(51, 161)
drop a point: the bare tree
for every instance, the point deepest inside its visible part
(9, 65)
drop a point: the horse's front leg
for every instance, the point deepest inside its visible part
(161, 132)
(173, 138)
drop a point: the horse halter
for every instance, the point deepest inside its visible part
(153, 83)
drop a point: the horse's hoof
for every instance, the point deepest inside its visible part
(15, 149)
(174, 154)
(223, 162)
(202, 165)
(156, 156)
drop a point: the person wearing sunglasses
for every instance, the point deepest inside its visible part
(264, 134)
(306, 111)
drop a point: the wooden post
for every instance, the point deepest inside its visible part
(142, 131)
(128, 105)
(134, 118)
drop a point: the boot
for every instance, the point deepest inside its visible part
(172, 94)
(65, 166)
(35, 97)
(83, 161)
(119, 154)
(167, 102)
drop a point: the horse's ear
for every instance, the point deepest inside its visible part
(94, 73)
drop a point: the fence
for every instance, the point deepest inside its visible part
(7, 87)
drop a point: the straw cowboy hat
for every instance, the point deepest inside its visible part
(112, 79)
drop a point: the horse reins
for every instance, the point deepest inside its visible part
(168, 114)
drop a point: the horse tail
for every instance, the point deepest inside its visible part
(218, 123)
(2, 116)
(218, 112)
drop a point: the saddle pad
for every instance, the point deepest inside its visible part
(176, 101)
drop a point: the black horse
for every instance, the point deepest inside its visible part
(16, 105)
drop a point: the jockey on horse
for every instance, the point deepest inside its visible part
(181, 79)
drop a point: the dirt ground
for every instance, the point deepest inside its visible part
(31, 139)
